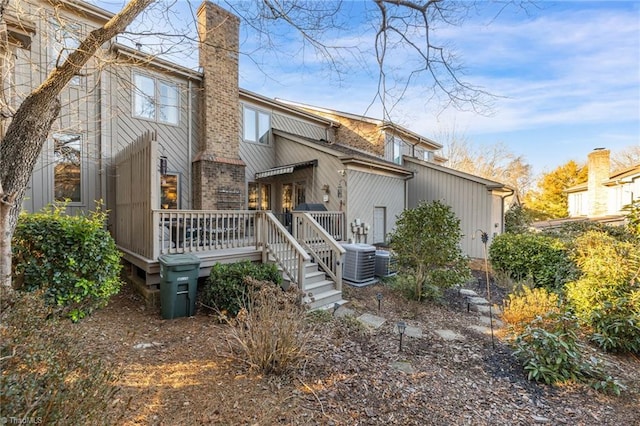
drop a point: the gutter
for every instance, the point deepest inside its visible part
(502, 211)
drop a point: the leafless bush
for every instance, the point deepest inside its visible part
(270, 333)
(43, 366)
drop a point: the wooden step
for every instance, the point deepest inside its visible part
(319, 287)
(324, 300)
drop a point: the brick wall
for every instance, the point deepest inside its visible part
(358, 134)
(599, 172)
(219, 177)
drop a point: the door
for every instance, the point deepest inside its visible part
(379, 224)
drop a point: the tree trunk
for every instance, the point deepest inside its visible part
(28, 130)
(16, 166)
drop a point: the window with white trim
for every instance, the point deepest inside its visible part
(256, 125)
(155, 99)
(397, 150)
(67, 169)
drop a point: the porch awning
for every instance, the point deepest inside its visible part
(283, 170)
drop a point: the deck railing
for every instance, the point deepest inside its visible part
(316, 239)
(187, 231)
(332, 222)
(283, 248)
(193, 231)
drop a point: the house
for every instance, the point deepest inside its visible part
(606, 192)
(478, 203)
(186, 161)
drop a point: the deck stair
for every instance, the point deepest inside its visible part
(320, 291)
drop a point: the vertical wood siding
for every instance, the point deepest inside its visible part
(367, 191)
(471, 202)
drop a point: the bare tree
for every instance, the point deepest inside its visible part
(494, 162)
(401, 29)
(627, 157)
(22, 143)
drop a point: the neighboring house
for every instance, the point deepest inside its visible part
(186, 161)
(605, 193)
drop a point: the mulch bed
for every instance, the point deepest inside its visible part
(179, 372)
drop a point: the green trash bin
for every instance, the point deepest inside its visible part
(178, 285)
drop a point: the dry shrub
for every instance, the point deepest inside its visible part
(523, 307)
(270, 332)
(46, 374)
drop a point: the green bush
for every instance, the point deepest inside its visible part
(426, 242)
(569, 231)
(541, 259)
(226, 289)
(73, 258)
(606, 298)
(46, 375)
(633, 218)
(517, 220)
(550, 351)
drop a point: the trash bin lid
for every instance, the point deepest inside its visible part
(178, 259)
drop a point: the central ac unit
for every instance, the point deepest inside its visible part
(359, 264)
(386, 265)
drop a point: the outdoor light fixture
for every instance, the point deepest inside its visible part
(379, 298)
(163, 165)
(401, 325)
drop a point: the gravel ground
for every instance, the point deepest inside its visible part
(178, 372)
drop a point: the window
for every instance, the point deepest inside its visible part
(257, 125)
(67, 169)
(169, 190)
(259, 196)
(293, 194)
(397, 150)
(155, 99)
(65, 38)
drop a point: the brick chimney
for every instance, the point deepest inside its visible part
(599, 171)
(218, 171)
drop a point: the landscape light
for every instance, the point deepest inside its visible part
(401, 325)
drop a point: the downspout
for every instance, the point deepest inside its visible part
(502, 212)
(406, 189)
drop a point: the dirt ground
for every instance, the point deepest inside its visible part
(178, 372)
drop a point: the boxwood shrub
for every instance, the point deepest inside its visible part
(73, 258)
(225, 289)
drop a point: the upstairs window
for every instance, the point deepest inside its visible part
(155, 99)
(397, 150)
(256, 125)
(67, 170)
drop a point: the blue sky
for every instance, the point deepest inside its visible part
(566, 76)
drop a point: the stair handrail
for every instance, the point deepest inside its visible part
(313, 236)
(283, 248)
